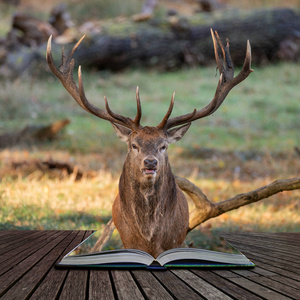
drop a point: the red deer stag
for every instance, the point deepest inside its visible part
(150, 211)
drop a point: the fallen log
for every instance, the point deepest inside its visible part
(32, 133)
(167, 43)
(177, 41)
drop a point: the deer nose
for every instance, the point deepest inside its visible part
(150, 163)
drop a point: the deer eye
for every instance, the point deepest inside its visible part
(163, 148)
(134, 147)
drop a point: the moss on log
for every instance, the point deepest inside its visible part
(175, 42)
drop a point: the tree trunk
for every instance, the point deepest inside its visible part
(173, 44)
(164, 43)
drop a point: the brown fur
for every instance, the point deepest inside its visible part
(150, 214)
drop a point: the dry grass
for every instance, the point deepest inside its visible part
(32, 199)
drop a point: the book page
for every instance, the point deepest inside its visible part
(228, 255)
(82, 255)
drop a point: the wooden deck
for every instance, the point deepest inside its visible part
(27, 271)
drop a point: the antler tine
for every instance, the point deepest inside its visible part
(216, 50)
(133, 124)
(75, 47)
(119, 119)
(65, 75)
(49, 59)
(162, 124)
(137, 119)
(226, 81)
(246, 70)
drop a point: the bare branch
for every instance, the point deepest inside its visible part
(256, 195)
(204, 209)
(105, 237)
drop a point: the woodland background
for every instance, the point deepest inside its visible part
(68, 179)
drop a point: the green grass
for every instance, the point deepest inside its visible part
(261, 113)
(102, 9)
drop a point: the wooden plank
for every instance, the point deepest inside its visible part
(100, 286)
(18, 242)
(270, 237)
(13, 239)
(13, 275)
(273, 276)
(150, 286)
(225, 285)
(24, 251)
(18, 254)
(269, 244)
(205, 289)
(125, 286)
(26, 285)
(51, 285)
(278, 270)
(291, 237)
(175, 286)
(264, 258)
(75, 290)
(263, 272)
(284, 246)
(235, 273)
(273, 266)
(279, 283)
(27, 245)
(254, 283)
(278, 286)
(4, 234)
(287, 281)
(288, 235)
(258, 289)
(269, 251)
(282, 250)
(76, 283)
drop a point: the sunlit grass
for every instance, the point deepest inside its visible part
(43, 203)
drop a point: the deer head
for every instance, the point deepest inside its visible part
(150, 211)
(147, 146)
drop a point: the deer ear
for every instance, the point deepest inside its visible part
(122, 132)
(176, 134)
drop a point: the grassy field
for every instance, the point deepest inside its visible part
(249, 142)
(246, 144)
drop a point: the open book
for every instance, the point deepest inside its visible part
(133, 258)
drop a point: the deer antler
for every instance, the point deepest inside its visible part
(65, 75)
(226, 82)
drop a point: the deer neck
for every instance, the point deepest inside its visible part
(145, 196)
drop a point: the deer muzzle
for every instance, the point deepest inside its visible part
(150, 166)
